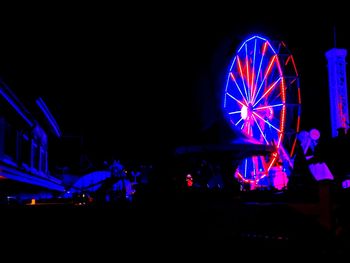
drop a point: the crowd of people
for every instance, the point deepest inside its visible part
(314, 159)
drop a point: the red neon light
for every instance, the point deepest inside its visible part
(268, 90)
(264, 48)
(240, 66)
(247, 76)
(287, 60)
(294, 66)
(232, 77)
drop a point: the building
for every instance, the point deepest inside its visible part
(338, 89)
(24, 146)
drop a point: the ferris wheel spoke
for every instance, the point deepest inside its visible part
(261, 131)
(269, 106)
(242, 76)
(239, 89)
(234, 112)
(278, 131)
(236, 124)
(259, 70)
(245, 168)
(253, 70)
(278, 97)
(273, 126)
(267, 92)
(272, 61)
(267, 122)
(247, 72)
(245, 127)
(255, 162)
(237, 100)
(242, 127)
(249, 129)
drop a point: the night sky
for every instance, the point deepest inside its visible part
(134, 81)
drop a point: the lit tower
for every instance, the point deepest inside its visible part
(337, 89)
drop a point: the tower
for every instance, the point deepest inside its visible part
(337, 89)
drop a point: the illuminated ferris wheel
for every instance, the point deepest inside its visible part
(262, 99)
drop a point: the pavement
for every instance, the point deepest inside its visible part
(200, 224)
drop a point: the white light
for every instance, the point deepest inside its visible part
(244, 112)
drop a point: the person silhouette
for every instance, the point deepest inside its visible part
(301, 177)
(316, 162)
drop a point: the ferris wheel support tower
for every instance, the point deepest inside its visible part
(337, 89)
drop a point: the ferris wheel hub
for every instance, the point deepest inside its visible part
(247, 111)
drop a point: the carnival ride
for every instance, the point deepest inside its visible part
(262, 99)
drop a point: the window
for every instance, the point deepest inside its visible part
(10, 142)
(25, 150)
(43, 160)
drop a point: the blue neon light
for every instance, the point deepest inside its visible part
(49, 116)
(15, 106)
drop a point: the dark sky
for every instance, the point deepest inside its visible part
(134, 80)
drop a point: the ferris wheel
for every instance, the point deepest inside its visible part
(262, 99)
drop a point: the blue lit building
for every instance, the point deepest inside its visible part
(24, 145)
(338, 89)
